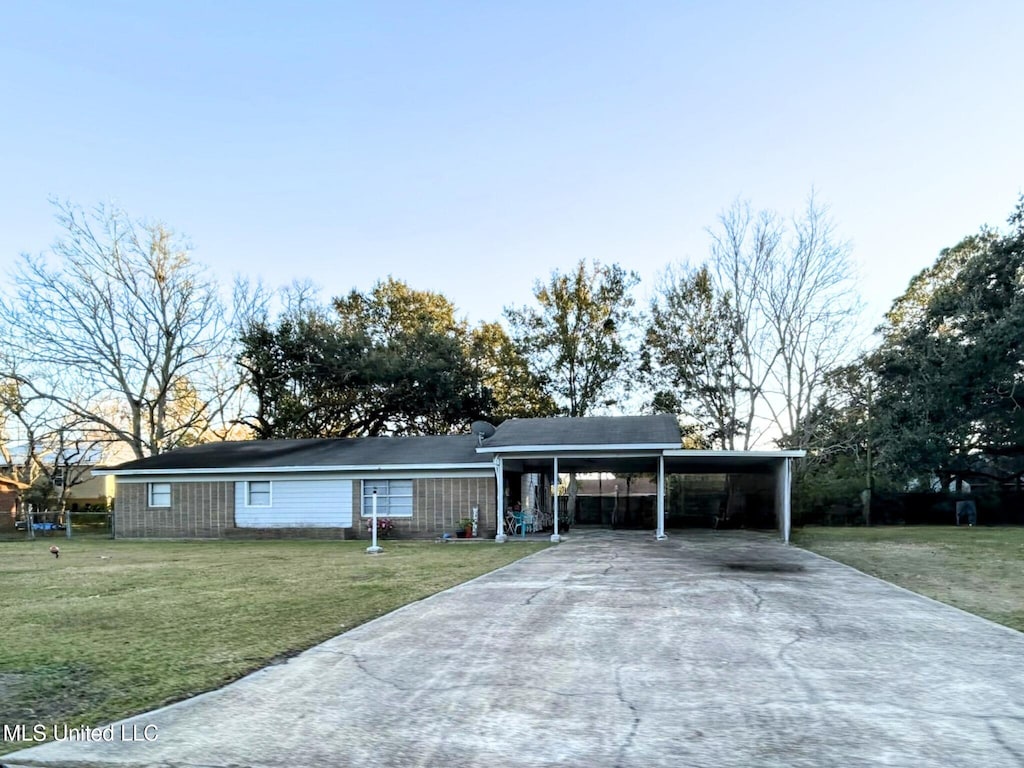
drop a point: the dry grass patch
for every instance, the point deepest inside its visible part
(115, 628)
(978, 569)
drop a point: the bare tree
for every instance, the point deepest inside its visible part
(45, 448)
(121, 329)
(811, 311)
(744, 252)
(792, 287)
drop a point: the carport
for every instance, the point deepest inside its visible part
(777, 464)
(622, 444)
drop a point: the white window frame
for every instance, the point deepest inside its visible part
(152, 493)
(384, 499)
(248, 493)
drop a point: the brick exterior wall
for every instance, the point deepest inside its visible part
(332, 534)
(206, 510)
(197, 511)
(437, 505)
(8, 501)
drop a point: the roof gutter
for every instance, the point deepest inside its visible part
(586, 448)
(278, 470)
(683, 452)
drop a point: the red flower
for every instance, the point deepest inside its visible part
(384, 526)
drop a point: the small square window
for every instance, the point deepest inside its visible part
(159, 494)
(258, 493)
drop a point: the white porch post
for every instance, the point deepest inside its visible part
(554, 502)
(783, 497)
(660, 534)
(499, 516)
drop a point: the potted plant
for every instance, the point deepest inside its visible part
(466, 526)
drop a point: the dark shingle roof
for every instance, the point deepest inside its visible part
(661, 429)
(355, 451)
(416, 450)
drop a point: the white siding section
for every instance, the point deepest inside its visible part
(298, 504)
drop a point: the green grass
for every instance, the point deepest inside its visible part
(978, 569)
(114, 628)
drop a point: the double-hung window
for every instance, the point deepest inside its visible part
(159, 494)
(394, 498)
(257, 493)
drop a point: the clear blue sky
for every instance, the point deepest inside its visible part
(473, 147)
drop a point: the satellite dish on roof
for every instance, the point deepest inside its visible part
(483, 429)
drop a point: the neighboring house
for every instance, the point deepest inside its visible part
(74, 483)
(90, 489)
(424, 484)
(10, 491)
(87, 487)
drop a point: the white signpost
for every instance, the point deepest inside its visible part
(373, 549)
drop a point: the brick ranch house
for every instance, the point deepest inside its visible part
(424, 484)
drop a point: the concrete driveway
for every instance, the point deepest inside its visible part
(709, 649)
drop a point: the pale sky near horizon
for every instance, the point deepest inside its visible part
(473, 147)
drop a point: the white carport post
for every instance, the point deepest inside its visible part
(554, 502)
(499, 515)
(660, 534)
(783, 494)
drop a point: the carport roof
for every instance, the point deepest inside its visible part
(603, 433)
(684, 462)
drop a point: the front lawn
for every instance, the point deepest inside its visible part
(978, 569)
(114, 628)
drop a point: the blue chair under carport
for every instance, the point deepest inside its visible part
(522, 523)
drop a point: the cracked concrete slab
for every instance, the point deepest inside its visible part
(708, 649)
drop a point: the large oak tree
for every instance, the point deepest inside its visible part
(951, 362)
(393, 360)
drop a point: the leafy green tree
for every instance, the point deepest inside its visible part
(515, 391)
(840, 463)
(391, 361)
(692, 356)
(392, 309)
(576, 339)
(943, 393)
(951, 363)
(305, 375)
(420, 378)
